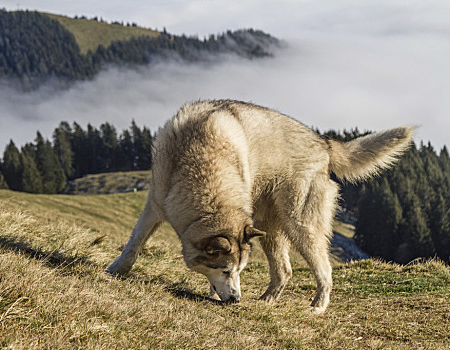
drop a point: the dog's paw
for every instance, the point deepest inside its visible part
(320, 303)
(317, 310)
(113, 272)
(118, 269)
(269, 297)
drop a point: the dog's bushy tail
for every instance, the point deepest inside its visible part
(365, 156)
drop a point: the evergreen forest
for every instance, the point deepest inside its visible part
(404, 213)
(45, 166)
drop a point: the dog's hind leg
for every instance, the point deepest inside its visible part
(276, 246)
(309, 227)
(147, 224)
(317, 258)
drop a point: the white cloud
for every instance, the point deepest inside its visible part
(371, 64)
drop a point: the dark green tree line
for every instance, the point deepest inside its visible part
(44, 166)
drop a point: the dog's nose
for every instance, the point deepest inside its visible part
(234, 299)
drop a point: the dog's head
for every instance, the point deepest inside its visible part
(221, 258)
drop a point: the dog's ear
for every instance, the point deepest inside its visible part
(251, 232)
(217, 245)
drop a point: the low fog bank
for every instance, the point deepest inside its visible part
(329, 82)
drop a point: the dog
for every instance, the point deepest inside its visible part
(225, 172)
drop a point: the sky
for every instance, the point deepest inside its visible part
(349, 63)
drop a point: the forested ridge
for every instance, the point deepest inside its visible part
(35, 48)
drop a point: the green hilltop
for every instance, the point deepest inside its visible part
(91, 33)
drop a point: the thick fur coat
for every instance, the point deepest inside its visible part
(227, 171)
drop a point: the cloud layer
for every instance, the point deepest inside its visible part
(372, 65)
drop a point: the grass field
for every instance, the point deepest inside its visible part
(55, 295)
(89, 33)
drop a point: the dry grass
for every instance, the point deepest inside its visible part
(109, 183)
(89, 34)
(55, 295)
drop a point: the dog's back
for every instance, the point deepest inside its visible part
(268, 142)
(271, 143)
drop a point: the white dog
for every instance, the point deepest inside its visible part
(227, 171)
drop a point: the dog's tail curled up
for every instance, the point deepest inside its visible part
(366, 156)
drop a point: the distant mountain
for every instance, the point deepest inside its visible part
(37, 47)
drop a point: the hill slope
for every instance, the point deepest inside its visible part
(54, 293)
(90, 34)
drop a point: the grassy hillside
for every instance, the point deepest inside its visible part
(108, 183)
(89, 33)
(54, 293)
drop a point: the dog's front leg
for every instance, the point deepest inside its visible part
(276, 246)
(147, 224)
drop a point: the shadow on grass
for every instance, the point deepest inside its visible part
(183, 293)
(177, 289)
(51, 259)
(59, 260)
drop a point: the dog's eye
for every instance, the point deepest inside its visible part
(227, 273)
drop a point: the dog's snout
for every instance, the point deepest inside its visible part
(235, 296)
(234, 299)
(227, 288)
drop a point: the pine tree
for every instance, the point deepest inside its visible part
(31, 178)
(380, 216)
(440, 228)
(11, 167)
(415, 230)
(3, 184)
(136, 135)
(365, 230)
(109, 147)
(80, 150)
(52, 174)
(63, 148)
(94, 144)
(126, 151)
(444, 160)
(392, 219)
(145, 152)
